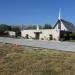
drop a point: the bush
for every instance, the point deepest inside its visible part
(42, 38)
(65, 36)
(27, 36)
(72, 35)
(50, 37)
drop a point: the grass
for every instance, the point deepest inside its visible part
(21, 60)
(71, 41)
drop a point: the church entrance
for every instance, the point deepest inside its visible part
(37, 35)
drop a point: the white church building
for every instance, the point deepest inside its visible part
(49, 34)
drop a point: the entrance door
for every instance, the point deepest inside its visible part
(50, 37)
(37, 35)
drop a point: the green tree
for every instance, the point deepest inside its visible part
(15, 29)
(72, 35)
(47, 26)
(4, 27)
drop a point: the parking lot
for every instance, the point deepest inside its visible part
(57, 45)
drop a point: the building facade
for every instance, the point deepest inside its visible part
(50, 34)
(42, 34)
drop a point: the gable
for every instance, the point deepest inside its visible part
(65, 25)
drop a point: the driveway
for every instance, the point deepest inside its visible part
(66, 46)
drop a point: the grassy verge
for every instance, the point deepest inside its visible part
(21, 60)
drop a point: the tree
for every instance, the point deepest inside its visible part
(15, 29)
(72, 35)
(47, 26)
(31, 27)
(4, 27)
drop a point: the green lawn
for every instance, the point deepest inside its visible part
(21, 60)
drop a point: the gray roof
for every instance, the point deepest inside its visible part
(67, 24)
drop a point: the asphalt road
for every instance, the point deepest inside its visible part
(66, 46)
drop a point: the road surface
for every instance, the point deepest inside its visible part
(57, 45)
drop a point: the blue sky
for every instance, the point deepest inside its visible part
(30, 12)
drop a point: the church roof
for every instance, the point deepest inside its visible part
(67, 24)
(56, 23)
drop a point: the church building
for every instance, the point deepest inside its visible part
(61, 26)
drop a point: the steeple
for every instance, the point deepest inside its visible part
(37, 27)
(59, 17)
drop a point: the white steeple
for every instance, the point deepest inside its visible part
(59, 17)
(37, 27)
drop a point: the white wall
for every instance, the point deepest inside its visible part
(62, 27)
(12, 33)
(29, 32)
(45, 33)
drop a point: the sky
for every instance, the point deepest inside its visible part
(32, 12)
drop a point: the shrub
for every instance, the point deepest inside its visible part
(50, 37)
(72, 35)
(27, 36)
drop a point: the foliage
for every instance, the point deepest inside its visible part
(21, 60)
(15, 28)
(50, 37)
(72, 35)
(47, 26)
(4, 27)
(32, 27)
(65, 36)
(69, 36)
